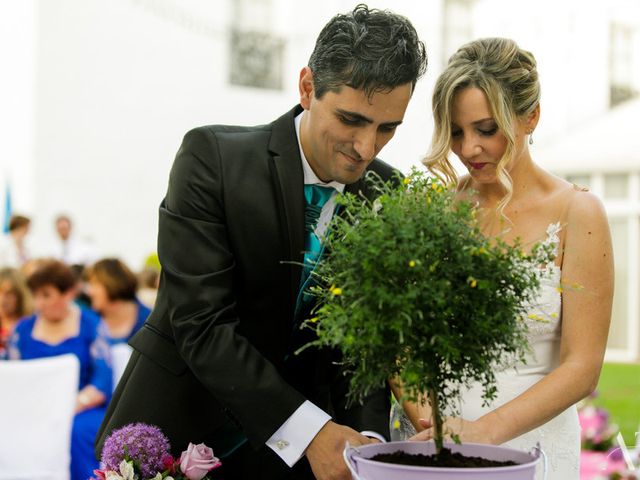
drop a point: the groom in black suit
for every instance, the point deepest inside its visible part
(215, 362)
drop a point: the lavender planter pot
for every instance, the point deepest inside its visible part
(362, 468)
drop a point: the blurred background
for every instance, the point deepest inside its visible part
(96, 95)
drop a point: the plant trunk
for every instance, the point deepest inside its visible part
(436, 417)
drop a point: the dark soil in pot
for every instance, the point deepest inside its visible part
(445, 459)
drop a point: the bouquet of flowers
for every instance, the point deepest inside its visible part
(141, 452)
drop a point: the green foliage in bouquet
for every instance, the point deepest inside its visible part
(410, 289)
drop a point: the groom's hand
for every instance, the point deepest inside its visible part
(325, 451)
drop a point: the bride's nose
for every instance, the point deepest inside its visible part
(470, 147)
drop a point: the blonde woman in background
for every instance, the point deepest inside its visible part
(486, 106)
(15, 303)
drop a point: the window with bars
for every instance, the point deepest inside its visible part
(457, 26)
(256, 52)
(621, 63)
(256, 60)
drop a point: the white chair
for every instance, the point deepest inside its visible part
(37, 403)
(120, 354)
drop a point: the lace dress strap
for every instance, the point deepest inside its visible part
(553, 236)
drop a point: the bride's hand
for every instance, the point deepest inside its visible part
(466, 430)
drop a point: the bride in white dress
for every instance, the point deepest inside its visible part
(486, 106)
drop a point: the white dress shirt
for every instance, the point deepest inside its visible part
(10, 255)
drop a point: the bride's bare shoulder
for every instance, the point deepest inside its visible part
(582, 207)
(572, 191)
(560, 184)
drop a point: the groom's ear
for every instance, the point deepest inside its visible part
(305, 85)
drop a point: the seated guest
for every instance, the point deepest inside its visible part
(69, 248)
(15, 303)
(14, 251)
(31, 265)
(148, 282)
(60, 327)
(82, 298)
(112, 290)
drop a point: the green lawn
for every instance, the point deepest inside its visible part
(619, 393)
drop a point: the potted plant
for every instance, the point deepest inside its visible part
(411, 290)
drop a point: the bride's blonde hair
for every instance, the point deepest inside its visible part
(508, 77)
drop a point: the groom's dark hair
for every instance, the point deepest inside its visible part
(369, 49)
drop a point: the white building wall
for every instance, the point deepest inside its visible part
(100, 93)
(569, 40)
(18, 37)
(118, 84)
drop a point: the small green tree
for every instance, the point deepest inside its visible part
(411, 289)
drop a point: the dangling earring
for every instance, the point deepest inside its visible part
(531, 137)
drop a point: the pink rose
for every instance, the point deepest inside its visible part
(100, 474)
(197, 461)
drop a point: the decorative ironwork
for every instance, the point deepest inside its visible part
(256, 59)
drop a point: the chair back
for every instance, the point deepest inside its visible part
(120, 354)
(37, 403)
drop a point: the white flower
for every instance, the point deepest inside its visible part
(159, 477)
(111, 475)
(377, 205)
(126, 470)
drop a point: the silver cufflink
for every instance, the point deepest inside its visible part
(282, 444)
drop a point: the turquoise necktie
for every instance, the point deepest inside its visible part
(316, 196)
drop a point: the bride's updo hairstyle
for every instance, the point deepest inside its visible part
(508, 77)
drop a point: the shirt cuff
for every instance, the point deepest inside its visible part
(294, 436)
(376, 435)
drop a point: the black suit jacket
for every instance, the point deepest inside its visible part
(215, 361)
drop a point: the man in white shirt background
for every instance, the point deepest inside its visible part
(69, 248)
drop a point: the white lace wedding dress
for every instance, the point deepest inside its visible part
(560, 437)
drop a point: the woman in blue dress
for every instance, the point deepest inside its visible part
(60, 327)
(112, 289)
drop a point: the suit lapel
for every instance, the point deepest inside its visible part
(288, 182)
(356, 187)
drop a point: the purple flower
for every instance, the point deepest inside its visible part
(142, 443)
(603, 415)
(615, 454)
